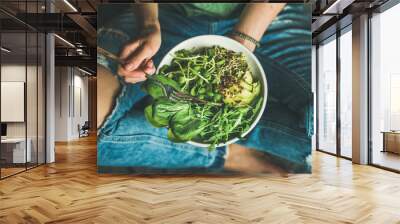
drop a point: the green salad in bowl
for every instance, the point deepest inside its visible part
(206, 96)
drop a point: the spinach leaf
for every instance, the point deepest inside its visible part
(155, 85)
(166, 81)
(148, 113)
(184, 126)
(154, 88)
(163, 109)
(174, 138)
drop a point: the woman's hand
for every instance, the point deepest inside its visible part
(138, 53)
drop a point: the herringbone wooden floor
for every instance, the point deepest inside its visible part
(70, 191)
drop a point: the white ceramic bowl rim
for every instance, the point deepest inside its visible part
(230, 44)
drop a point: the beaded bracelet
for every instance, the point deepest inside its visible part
(245, 37)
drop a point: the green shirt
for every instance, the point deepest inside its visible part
(220, 10)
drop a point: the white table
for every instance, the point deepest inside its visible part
(19, 153)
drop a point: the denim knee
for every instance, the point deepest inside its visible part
(135, 143)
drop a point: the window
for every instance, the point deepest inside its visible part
(346, 93)
(327, 96)
(385, 89)
(22, 77)
(394, 102)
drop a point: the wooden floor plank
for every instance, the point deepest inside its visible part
(71, 191)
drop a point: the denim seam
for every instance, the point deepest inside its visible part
(282, 130)
(302, 82)
(283, 127)
(145, 138)
(297, 78)
(114, 31)
(105, 31)
(137, 138)
(114, 111)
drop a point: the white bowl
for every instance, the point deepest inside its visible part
(230, 44)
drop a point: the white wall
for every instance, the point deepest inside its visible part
(12, 73)
(16, 73)
(34, 125)
(13, 101)
(71, 94)
(80, 110)
(61, 103)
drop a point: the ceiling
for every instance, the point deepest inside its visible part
(74, 22)
(16, 43)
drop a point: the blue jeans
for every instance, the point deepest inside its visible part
(127, 140)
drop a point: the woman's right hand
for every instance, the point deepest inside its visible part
(138, 53)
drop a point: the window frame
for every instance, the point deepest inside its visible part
(334, 37)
